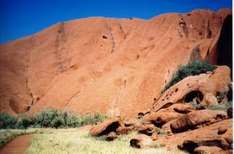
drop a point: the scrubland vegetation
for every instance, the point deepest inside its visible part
(193, 68)
(49, 118)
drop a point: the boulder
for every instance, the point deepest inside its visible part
(141, 141)
(105, 127)
(209, 150)
(191, 145)
(161, 117)
(147, 129)
(111, 136)
(124, 130)
(180, 125)
(195, 119)
(207, 135)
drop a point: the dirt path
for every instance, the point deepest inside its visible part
(17, 146)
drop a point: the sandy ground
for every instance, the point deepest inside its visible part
(17, 146)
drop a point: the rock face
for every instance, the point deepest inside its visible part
(201, 88)
(104, 65)
(179, 122)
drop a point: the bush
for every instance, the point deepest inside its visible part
(46, 118)
(91, 119)
(72, 121)
(7, 121)
(49, 118)
(24, 122)
(194, 68)
(57, 119)
(58, 122)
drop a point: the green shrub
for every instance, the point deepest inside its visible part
(45, 118)
(24, 122)
(72, 121)
(7, 121)
(57, 119)
(49, 118)
(58, 122)
(91, 119)
(194, 68)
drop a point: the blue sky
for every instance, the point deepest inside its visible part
(24, 17)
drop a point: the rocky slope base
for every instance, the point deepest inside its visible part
(182, 117)
(112, 66)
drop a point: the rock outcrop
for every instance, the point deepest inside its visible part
(182, 124)
(202, 88)
(112, 66)
(105, 128)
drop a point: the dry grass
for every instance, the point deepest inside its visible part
(69, 141)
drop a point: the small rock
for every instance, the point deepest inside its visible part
(146, 129)
(141, 141)
(111, 136)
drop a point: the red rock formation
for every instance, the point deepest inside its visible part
(105, 127)
(114, 66)
(205, 85)
(177, 122)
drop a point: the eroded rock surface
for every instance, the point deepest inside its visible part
(105, 127)
(204, 88)
(189, 126)
(106, 65)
